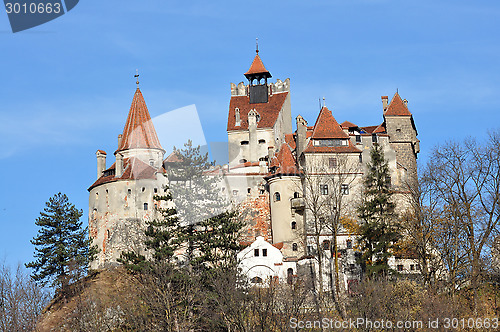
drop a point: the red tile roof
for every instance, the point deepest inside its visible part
(257, 67)
(139, 131)
(369, 129)
(134, 169)
(102, 152)
(347, 124)
(350, 148)
(290, 140)
(397, 107)
(327, 127)
(380, 129)
(268, 111)
(284, 161)
(174, 157)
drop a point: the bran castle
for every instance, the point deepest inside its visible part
(296, 190)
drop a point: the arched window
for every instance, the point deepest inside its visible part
(349, 244)
(256, 280)
(294, 225)
(294, 247)
(145, 206)
(277, 197)
(296, 195)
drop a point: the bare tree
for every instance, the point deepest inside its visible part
(328, 187)
(466, 177)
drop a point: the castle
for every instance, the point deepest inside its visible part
(289, 185)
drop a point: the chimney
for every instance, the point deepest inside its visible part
(252, 135)
(270, 153)
(119, 140)
(237, 117)
(301, 135)
(101, 162)
(385, 101)
(119, 165)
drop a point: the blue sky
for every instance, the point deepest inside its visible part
(66, 86)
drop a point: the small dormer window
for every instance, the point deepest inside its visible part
(256, 252)
(257, 117)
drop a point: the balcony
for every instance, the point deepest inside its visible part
(298, 203)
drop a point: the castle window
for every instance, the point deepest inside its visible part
(332, 162)
(151, 163)
(294, 247)
(262, 191)
(349, 244)
(323, 188)
(145, 206)
(296, 195)
(129, 191)
(345, 189)
(398, 130)
(400, 268)
(156, 190)
(264, 252)
(107, 233)
(262, 141)
(248, 190)
(257, 117)
(143, 189)
(360, 158)
(326, 244)
(235, 192)
(256, 280)
(374, 138)
(277, 197)
(244, 142)
(412, 267)
(242, 161)
(289, 276)
(294, 225)
(358, 138)
(96, 196)
(256, 252)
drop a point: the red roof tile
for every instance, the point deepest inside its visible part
(284, 161)
(133, 169)
(347, 124)
(257, 67)
(397, 107)
(290, 140)
(268, 111)
(327, 127)
(380, 129)
(350, 148)
(369, 129)
(139, 131)
(102, 152)
(174, 157)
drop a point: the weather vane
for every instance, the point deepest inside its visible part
(137, 77)
(257, 45)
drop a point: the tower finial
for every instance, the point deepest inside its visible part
(324, 102)
(137, 77)
(257, 45)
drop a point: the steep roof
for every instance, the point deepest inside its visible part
(350, 148)
(133, 169)
(268, 111)
(397, 107)
(257, 67)
(326, 126)
(139, 131)
(284, 161)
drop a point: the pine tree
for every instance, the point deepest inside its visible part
(379, 231)
(164, 236)
(63, 248)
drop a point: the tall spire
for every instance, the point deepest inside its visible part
(139, 132)
(257, 45)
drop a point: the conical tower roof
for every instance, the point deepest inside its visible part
(139, 132)
(257, 68)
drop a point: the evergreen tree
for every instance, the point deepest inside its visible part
(63, 248)
(164, 236)
(379, 230)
